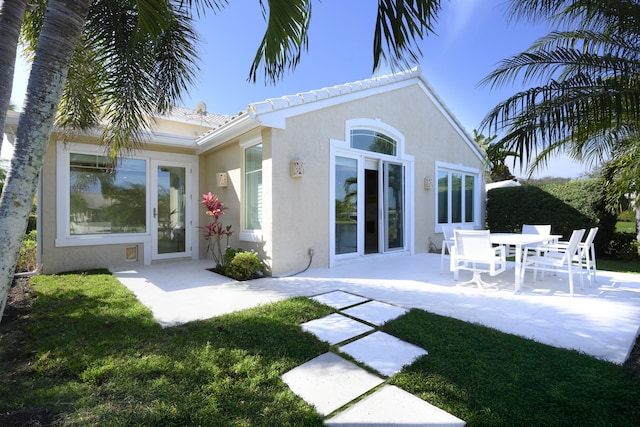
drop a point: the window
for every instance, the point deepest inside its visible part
(105, 199)
(369, 140)
(456, 199)
(253, 187)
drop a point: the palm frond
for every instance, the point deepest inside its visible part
(284, 40)
(399, 26)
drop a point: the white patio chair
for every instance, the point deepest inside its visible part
(473, 251)
(557, 258)
(447, 244)
(586, 255)
(541, 229)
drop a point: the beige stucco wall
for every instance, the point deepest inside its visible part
(301, 205)
(59, 259)
(298, 209)
(56, 258)
(229, 159)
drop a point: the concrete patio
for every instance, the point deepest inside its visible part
(601, 320)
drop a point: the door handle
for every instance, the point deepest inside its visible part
(155, 214)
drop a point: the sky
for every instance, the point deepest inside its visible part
(472, 36)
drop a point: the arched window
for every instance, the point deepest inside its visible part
(370, 140)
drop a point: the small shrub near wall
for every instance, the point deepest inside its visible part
(27, 260)
(244, 265)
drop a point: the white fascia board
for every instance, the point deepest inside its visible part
(171, 139)
(223, 134)
(277, 118)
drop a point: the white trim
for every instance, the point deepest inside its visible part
(254, 236)
(63, 236)
(189, 208)
(456, 167)
(248, 235)
(477, 193)
(343, 149)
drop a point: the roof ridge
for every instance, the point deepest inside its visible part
(272, 104)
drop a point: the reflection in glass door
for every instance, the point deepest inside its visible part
(170, 210)
(346, 205)
(370, 206)
(394, 206)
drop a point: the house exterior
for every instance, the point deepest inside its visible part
(367, 169)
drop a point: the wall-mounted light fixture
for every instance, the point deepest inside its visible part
(222, 179)
(296, 169)
(428, 183)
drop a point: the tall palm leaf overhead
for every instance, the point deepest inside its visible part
(134, 60)
(585, 81)
(400, 24)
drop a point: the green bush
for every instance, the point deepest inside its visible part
(624, 246)
(244, 266)
(627, 216)
(567, 206)
(229, 254)
(27, 260)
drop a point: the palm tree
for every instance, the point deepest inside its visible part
(584, 98)
(496, 156)
(93, 58)
(11, 16)
(121, 43)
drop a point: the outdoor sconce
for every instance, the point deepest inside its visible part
(222, 179)
(296, 169)
(428, 183)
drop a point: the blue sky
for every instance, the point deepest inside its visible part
(472, 37)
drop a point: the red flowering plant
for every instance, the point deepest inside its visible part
(213, 232)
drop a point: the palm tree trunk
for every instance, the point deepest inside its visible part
(11, 16)
(63, 24)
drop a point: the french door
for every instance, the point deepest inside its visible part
(370, 206)
(170, 210)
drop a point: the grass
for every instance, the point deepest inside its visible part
(626, 227)
(90, 354)
(624, 266)
(97, 357)
(489, 378)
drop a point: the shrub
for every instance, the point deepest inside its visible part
(244, 266)
(27, 260)
(627, 216)
(624, 246)
(565, 205)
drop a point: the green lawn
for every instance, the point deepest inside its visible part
(626, 227)
(90, 354)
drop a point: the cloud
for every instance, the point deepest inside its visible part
(459, 15)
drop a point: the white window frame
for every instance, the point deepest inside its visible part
(64, 238)
(465, 171)
(248, 235)
(343, 149)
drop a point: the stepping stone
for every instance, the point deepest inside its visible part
(392, 406)
(329, 382)
(339, 299)
(383, 352)
(375, 312)
(336, 328)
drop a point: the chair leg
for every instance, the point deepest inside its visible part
(570, 282)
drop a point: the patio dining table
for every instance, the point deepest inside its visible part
(519, 241)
